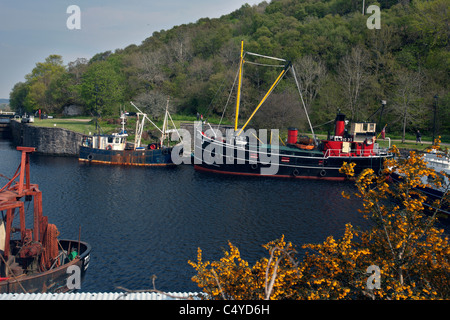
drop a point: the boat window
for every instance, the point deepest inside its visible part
(365, 127)
(110, 139)
(87, 141)
(117, 140)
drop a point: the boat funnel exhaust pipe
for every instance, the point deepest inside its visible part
(340, 125)
(292, 135)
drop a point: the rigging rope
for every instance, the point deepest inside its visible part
(237, 74)
(303, 102)
(263, 56)
(208, 110)
(228, 100)
(266, 65)
(324, 123)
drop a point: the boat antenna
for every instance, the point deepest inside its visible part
(122, 119)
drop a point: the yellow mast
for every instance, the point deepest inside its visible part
(265, 97)
(238, 99)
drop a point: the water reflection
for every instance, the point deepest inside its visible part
(145, 221)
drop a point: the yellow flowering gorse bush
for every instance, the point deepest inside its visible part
(413, 256)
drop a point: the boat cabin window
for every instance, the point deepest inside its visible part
(115, 140)
(362, 128)
(87, 141)
(368, 127)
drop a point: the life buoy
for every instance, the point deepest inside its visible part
(306, 147)
(109, 147)
(152, 146)
(323, 173)
(295, 173)
(90, 157)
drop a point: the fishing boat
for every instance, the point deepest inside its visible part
(244, 153)
(34, 260)
(115, 149)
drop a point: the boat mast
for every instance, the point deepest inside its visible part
(139, 130)
(280, 76)
(286, 67)
(145, 116)
(122, 118)
(165, 124)
(238, 98)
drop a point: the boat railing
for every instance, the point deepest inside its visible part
(357, 153)
(438, 161)
(337, 153)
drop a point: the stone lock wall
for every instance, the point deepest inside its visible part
(50, 141)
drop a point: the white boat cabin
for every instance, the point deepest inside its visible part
(362, 131)
(115, 141)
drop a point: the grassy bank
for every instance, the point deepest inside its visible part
(81, 125)
(88, 126)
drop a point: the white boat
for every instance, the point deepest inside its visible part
(440, 162)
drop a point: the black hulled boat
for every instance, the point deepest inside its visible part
(246, 153)
(115, 149)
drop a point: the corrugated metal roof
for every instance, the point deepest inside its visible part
(100, 296)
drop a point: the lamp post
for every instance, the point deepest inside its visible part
(383, 104)
(434, 115)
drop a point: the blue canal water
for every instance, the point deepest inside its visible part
(150, 221)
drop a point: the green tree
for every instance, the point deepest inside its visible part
(64, 90)
(39, 81)
(102, 89)
(408, 101)
(353, 75)
(191, 62)
(17, 97)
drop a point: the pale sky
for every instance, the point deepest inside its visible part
(31, 30)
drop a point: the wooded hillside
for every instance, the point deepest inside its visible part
(341, 64)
